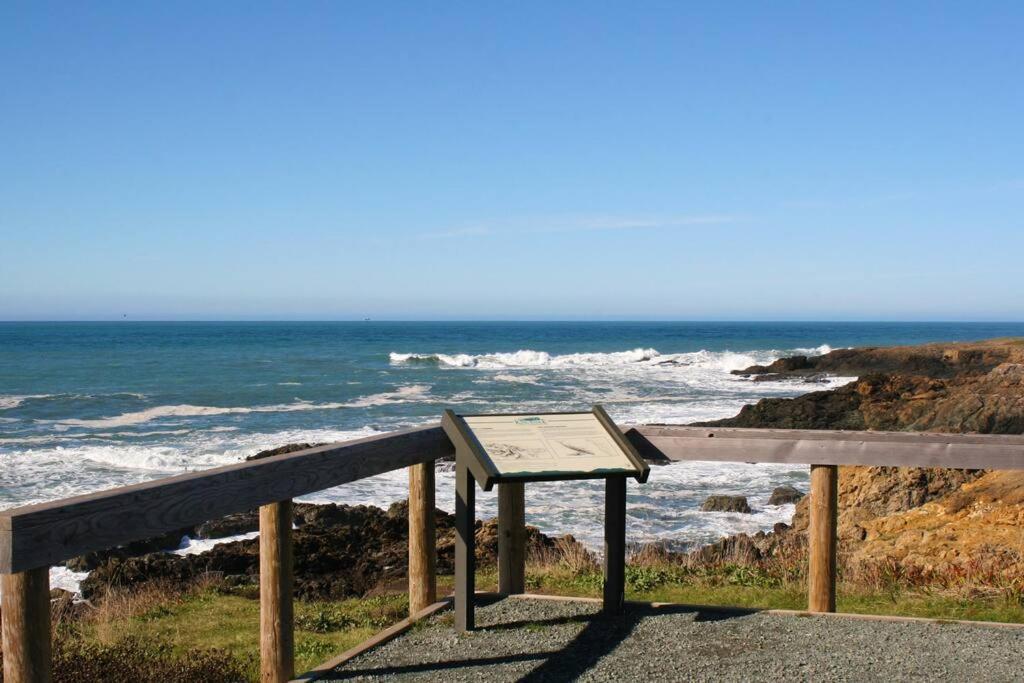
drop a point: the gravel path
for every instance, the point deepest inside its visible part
(541, 640)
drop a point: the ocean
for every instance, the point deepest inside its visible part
(88, 406)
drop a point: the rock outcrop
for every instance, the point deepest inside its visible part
(929, 517)
(340, 551)
(926, 360)
(721, 503)
(783, 495)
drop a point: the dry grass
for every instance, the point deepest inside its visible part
(566, 554)
(973, 590)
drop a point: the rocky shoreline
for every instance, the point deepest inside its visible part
(928, 519)
(923, 516)
(341, 551)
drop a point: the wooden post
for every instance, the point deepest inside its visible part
(614, 544)
(511, 538)
(26, 626)
(422, 538)
(824, 512)
(277, 644)
(465, 547)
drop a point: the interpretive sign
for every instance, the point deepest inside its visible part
(543, 446)
(512, 449)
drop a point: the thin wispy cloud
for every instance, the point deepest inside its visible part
(580, 224)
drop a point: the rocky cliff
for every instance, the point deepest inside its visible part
(934, 518)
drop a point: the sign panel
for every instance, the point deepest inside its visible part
(548, 444)
(542, 446)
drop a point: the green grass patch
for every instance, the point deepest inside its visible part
(209, 620)
(750, 587)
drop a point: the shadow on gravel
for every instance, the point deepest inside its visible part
(705, 614)
(440, 666)
(528, 623)
(600, 635)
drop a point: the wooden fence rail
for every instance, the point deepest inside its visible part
(34, 537)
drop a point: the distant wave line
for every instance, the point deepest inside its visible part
(648, 357)
(406, 394)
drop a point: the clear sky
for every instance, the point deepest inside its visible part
(424, 160)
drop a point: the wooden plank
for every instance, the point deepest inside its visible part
(277, 634)
(48, 533)
(511, 538)
(821, 536)
(466, 444)
(422, 538)
(828, 447)
(388, 634)
(465, 547)
(643, 469)
(26, 626)
(614, 545)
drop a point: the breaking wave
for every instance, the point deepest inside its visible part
(8, 402)
(141, 416)
(527, 358)
(407, 394)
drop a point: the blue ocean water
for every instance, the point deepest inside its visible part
(86, 406)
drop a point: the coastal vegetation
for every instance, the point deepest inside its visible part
(209, 630)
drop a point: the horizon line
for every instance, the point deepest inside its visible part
(908, 321)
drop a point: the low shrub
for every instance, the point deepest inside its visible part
(131, 659)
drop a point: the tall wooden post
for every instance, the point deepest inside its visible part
(422, 538)
(824, 513)
(511, 538)
(465, 547)
(277, 644)
(26, 626)
(615, 544)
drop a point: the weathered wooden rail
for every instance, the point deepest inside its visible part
(34, 537)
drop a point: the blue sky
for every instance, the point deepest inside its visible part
(517, 160)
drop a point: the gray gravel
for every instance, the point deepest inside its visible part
(540, 640)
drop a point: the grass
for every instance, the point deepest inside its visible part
(753, 587)
(211, 633)
(207, 619)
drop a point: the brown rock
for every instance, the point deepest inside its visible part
(932, 517)
(721, 503)
(783, 495)
(340, 551)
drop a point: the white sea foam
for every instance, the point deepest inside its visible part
(405, 394)
(65, 579)
(638, 357)
(516, 379)
(12, 401)
(194, 546)
(408, 394)
(525, 358)
(33, 475)
(185, 410)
